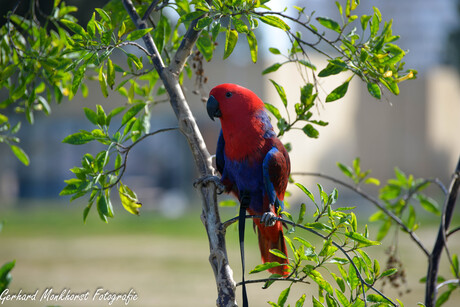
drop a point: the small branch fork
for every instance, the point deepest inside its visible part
(170, 77)
(358, 273)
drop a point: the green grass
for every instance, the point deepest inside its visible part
(63, 219)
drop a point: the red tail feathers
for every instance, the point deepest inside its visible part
(272, 238)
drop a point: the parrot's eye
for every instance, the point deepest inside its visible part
(228, 94)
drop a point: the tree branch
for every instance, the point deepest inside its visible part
(435, 257)
(185, 48)
(149, 10)
(187, 125)
(375, 202)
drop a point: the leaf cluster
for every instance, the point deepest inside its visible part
(98, 174)
(341, 255)
(401, 195)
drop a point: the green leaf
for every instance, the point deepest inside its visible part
(77, 77)
(74, 27)
(190, 16)
(275, 22)
(329, 23)
(347, 171)
(353, 278)
(113, 113)
(374, 90)
(388, 272)
(265, 266)
(306, 191)
(101, 116)
(78, 138)
(274, 50)
(231, 39)
(240, 26)
(333, 68)
(372, 180)
(159, 35)
(271, 68)
(277, 253)
(91, 27)
(375, 298)
(283, 296)
(253, 48)
(357, 237)
(136, 34)
(129, 199)
(110, 73)
(316, 303)
(307, 64)
(133, 111)
(280, 91)
(20, 154)
(205, 46)
(86, 212)
(215, 31)
(444, 297)
(203, 23)
(104, 15)
(331, 301)
(339, 92)
(376, 267)
(5, 275)
(103, 82)
(342, 298)
(300, 301)
(301, 213)
(429, 204)
(455, 267)
(274, 110)
(104, 205)
(364, 21)
(383, 230)
(322, 283)
(310, 131)
(228, 203)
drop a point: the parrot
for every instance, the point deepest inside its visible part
(253, 163)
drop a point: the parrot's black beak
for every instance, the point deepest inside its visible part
(212, 106)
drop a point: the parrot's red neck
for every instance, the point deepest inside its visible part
(243, 138)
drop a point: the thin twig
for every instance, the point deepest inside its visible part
(150, 9)
(448, 282)
(372, 200)
(127, 149)
(453, 231)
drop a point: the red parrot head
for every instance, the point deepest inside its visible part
(231, 102)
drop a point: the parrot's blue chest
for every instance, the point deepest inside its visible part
(248, 177)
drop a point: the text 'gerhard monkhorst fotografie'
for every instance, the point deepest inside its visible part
(51, 295)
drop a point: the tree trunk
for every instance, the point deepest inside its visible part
(210, 216)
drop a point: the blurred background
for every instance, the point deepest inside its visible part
(162, 254)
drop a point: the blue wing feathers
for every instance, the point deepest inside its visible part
(269, 188)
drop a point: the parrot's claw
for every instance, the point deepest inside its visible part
(269, 219)
(204, 181)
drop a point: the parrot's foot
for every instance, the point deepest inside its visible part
(220, 188)
(268, 218)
